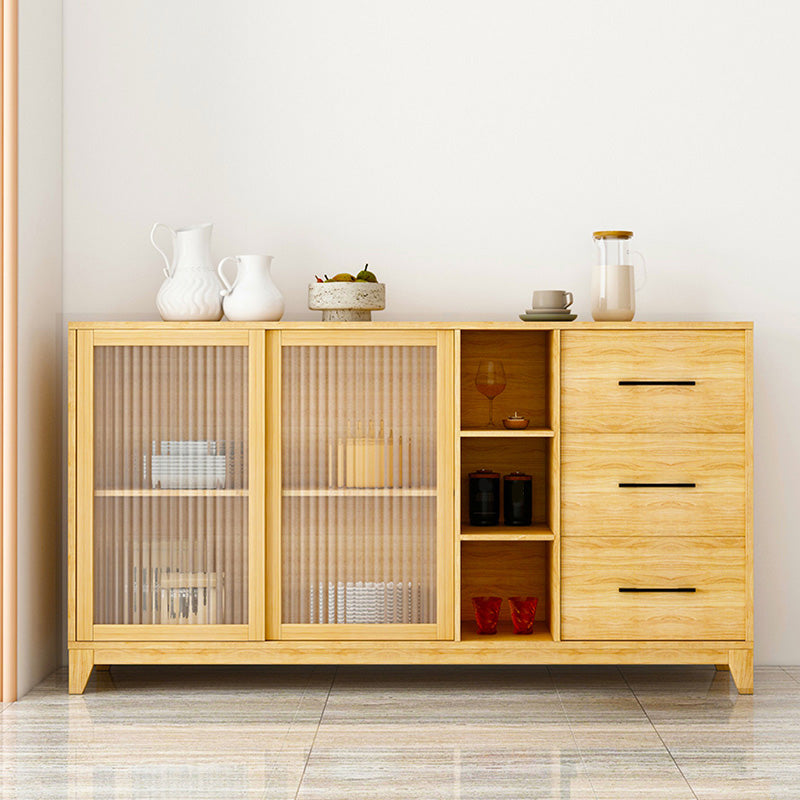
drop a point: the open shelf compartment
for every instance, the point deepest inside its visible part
(506, 569)
(531, 456)
(505, 560)
(525, 356)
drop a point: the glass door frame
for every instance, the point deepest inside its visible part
(81, 565)
(444, 342)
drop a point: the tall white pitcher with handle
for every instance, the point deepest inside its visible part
(191, 290)
(253, 295)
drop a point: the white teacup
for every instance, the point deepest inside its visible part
(551, 298)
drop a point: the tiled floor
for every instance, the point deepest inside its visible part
(406, 732)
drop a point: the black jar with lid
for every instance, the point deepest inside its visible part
(517, 499)
(484, 497)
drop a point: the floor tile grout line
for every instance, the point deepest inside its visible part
(658, 733)
(294, 718)
(572, 733)
(316, 733)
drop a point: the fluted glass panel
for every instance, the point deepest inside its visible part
(170, 467)
(359, 485)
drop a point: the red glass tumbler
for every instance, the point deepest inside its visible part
(523, 610)
(487, 612)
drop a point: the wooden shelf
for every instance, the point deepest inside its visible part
(505, 633)
(345, 492)
(493, 433)
(507, 533)
(171, 493)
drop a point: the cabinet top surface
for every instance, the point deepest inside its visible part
(315, 325)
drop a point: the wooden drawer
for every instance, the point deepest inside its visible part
(593, 570)
(653, 484)
(653, 382)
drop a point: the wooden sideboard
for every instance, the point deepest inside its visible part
(265, 493)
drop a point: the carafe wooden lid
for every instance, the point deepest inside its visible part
(613, 234)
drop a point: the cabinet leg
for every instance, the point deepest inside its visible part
(741, 664)
(80, 668)
(722, 667)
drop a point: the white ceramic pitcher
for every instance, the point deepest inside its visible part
(191, 290)
(253, 296)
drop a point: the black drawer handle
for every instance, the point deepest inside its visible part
(631, 589)
(657, 485)
(657, 383)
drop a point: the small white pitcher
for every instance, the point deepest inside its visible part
(191, 289)
(253, 296)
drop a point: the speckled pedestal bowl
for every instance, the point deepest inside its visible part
(346, 301)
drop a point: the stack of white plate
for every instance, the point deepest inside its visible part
(187, 465)
(365, 602)
(205, 447)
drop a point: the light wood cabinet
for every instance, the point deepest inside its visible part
(298, 493)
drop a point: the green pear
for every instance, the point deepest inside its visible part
(366, 275)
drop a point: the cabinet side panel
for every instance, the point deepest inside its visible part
(72, 346)
(84, 482)
(748, 483)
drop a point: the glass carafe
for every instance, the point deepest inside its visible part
(613, 282)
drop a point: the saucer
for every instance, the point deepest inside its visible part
(547, 311)
(551, 317)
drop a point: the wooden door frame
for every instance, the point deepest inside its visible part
(443, 342)
(80, 557)
(8, 476)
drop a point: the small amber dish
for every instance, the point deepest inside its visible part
(515, 422)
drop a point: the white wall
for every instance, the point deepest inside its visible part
(466, 150)
(40, 608)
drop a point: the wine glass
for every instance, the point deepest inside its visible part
(490, 380)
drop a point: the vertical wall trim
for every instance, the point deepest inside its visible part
(8, 650)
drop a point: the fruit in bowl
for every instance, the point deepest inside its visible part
(364, 276)
(346, 297)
